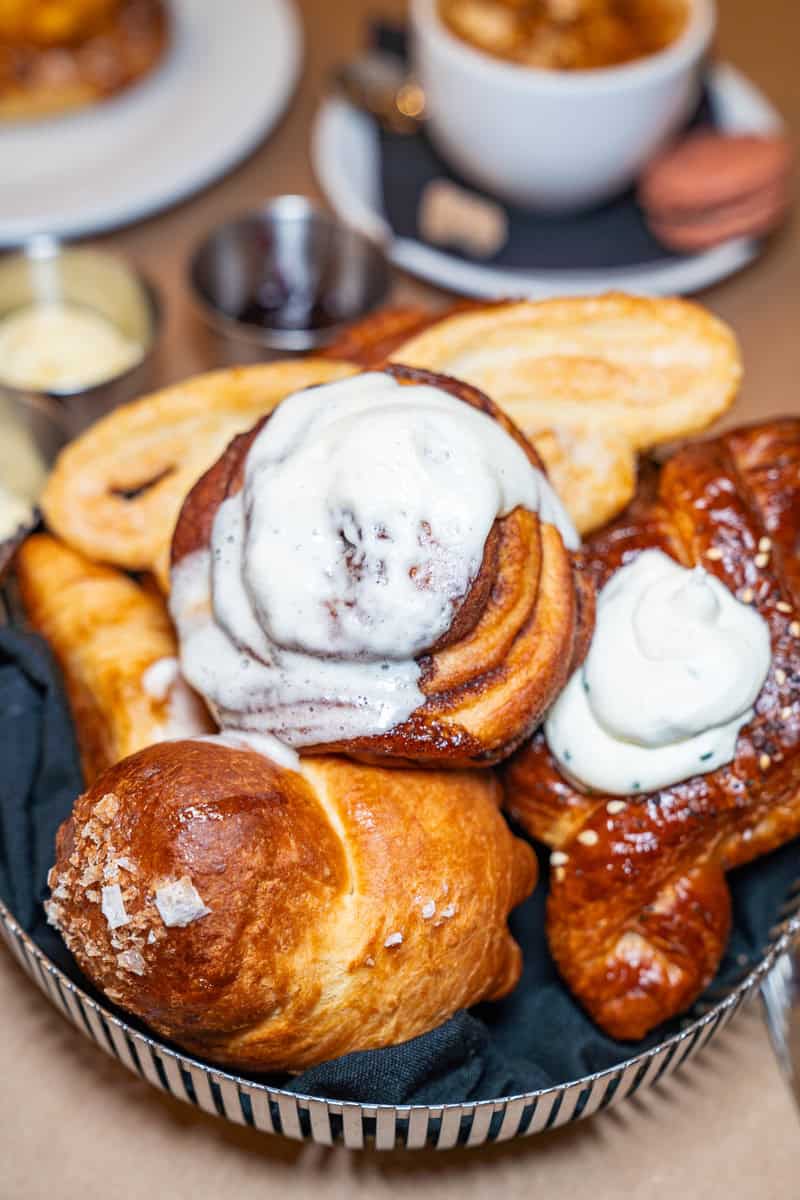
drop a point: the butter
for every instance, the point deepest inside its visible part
(14, 513)
(62, 347)
(22, 475)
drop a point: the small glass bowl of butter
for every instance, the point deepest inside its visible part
(32, 431)
(77, 331)
(77, 327)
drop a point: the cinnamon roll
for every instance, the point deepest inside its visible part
(381, 568)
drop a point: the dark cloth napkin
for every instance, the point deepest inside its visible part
(536, 1037)
(40, 774)
(611, 235)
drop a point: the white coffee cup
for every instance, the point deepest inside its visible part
(554, 140)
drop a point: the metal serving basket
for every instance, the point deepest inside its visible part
(274, 1110)
(386, 1126)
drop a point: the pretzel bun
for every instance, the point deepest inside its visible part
(270, 918)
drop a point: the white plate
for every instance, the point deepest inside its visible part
(345, 155)
(223, 84)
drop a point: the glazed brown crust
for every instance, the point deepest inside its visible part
(638, 919)
(307, 878)
(514, 638)
(372, 341)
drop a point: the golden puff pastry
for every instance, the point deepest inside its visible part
(594, 472)
(591, 380)
(117, 651)
(116, 491)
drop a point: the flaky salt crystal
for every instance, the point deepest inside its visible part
(131, 960)
(113, 906)
(179, 903)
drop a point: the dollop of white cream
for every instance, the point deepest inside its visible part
(186, 715)
(259, 743)
(360, 527)
(159, 678)
(675, 666)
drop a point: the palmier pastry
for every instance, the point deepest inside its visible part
(269, 918)
(683, 728)
(590, 380)
(379, 568)
(115, 645)
(115, 492)
(62, 54)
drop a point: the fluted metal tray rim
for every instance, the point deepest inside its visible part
(303, 1116)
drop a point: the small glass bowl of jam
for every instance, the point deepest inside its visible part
(287, 277)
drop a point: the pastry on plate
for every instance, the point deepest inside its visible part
(114, 643)
(380, 568)
(590, 380)
(269, 918)
(115, 492)
(672, 755)
(57, 55)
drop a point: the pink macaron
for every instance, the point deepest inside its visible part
(710, 187)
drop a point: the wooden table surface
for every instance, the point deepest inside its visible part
(75, 1124)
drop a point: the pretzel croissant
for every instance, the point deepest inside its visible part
(110, 636)
(639, 910)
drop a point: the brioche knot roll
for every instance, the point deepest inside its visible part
(271, 919)
(379, 568)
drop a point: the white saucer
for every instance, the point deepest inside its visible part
(345, 154)
(225, 81)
